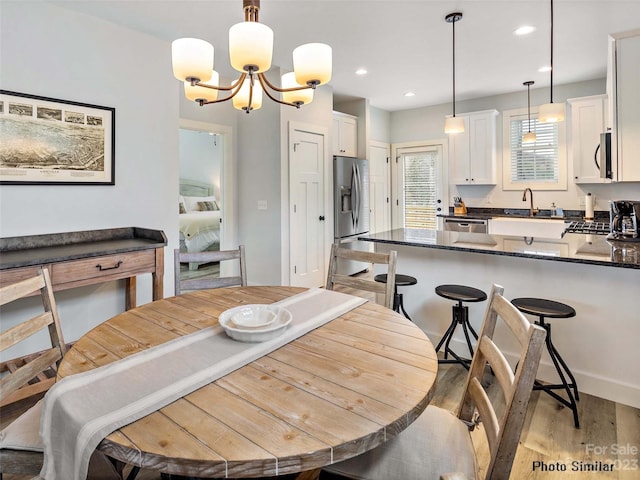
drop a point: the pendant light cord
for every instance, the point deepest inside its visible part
(454, 66)
(529, 105)
(551, 86)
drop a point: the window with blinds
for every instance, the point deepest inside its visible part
(540, 165)
(420, 193)
(536, 161)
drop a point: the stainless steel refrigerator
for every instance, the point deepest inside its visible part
(351, 208)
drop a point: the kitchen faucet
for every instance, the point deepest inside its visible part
(532, 211)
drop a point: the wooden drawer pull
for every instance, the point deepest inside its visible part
(102, 269)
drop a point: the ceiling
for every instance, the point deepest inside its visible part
(404, 45)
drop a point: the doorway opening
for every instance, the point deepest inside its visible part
(203, 220)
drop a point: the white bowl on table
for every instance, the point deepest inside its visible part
(255, 323)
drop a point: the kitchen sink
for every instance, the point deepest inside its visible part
(545, 227)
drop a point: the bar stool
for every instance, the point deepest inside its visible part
(459, 293)
(543, 308)
(401, 281)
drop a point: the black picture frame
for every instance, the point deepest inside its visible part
(48, 141)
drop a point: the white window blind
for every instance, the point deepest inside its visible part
(420, 189)
(536, 161)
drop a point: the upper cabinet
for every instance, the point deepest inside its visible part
(473, 153)
(345, 135)
(588, 120)
(623, 78)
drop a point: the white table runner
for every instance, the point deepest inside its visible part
(80, 410)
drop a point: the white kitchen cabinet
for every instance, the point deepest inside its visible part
(588, 120)
(472, 154)
(623, 78)
(345, 135)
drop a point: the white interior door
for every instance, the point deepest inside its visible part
(307, 215)
(421, 186)
(379, 187)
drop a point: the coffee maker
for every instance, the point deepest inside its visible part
(625, 220)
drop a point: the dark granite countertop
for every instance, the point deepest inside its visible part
(487, 213)
(58, 247)
(573, 247)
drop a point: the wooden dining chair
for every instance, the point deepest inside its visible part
(21, 449)
(20, 446)
(438, 444)
(359, 283)
(210, 281)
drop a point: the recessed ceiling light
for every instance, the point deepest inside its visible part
(361, 71)
(409, 94)
(546, 68)
(524, 30)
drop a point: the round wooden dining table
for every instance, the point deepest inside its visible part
(331, 394)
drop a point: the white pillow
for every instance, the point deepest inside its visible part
(192, 202)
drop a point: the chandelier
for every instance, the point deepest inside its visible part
(250, 53)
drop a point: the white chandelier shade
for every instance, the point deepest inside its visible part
(529, 137)
(192, 59)
(312, 64)
(249, 96)
(198, 92)
(250, 47)
(303, 96)
(250, 53)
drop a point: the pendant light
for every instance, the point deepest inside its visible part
(530, 136)
(551, 112)
(454, 124)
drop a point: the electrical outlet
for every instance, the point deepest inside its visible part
(488, 201)
(581, 200)
(262, 204)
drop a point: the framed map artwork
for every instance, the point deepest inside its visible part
(49, 141)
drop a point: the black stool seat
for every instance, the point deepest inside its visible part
(543, 308)
(460, 315)
(461, 293)
(401, 281)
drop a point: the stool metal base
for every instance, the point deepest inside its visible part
(460, 315)
(401, 281)
(562, 369)
(398, 304)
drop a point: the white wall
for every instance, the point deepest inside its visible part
(53, 52)
(380, 120)
(428, 123)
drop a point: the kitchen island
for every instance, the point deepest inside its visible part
(601, 280)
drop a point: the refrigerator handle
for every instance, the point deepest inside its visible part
(357, 182)
(353, 197)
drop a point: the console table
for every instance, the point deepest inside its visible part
(76, 259)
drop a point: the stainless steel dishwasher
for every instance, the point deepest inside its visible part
(472, 225)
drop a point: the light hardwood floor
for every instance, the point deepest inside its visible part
(548, 441)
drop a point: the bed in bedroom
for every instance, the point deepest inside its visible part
(199, 219)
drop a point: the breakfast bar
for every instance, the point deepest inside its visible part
(600, 279)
